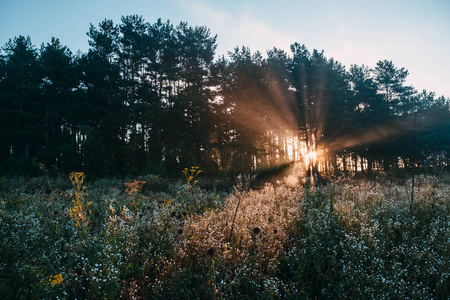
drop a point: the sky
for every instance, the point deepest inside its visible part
(414, 34)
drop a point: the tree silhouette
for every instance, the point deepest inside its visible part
(152, 98)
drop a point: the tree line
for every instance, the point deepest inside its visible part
(153, 98)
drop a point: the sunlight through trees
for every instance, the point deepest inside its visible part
(153, 98)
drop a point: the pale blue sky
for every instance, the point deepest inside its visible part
(414, 34)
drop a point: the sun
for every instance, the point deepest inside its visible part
(310, 157)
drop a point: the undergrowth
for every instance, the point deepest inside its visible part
(151, 239)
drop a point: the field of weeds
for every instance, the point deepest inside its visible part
(153, 239)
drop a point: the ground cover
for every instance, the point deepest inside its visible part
(148, 238)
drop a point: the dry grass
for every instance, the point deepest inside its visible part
(348, 239)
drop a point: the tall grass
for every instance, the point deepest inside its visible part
(346, 239)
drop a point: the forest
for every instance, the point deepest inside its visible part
(93, 146)
(153, 98)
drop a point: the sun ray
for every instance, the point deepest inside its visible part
(374, 134)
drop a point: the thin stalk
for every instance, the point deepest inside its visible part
(414, 167)
(234, 218)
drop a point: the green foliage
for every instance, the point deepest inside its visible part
(19, 166)
(153, 98)
(348, 239)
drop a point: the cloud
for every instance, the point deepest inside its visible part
(204, 13)
(236, 27)
(259, 36)
(209, 13)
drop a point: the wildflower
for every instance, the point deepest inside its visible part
(55, 280)
(134, 187)
(191, 174)
(77, 179)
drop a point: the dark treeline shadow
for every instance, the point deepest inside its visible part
(152, 98)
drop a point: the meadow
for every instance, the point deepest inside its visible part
(151, 238)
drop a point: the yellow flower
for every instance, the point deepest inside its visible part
(191, 174)
(56, 280)
(134, 187)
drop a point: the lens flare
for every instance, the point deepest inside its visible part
(311, 157)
